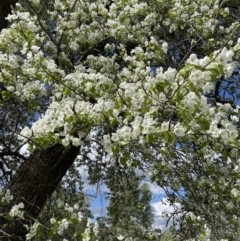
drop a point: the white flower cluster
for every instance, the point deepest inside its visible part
(17, 211)
(108, 144)
(227, 132)
(235, 192)
(133, 92)
(32, 231)
(179, 130)
(63, 226)
(121, 237)
(80, 216)
(96, 229)
(87, 231)
(7, 196)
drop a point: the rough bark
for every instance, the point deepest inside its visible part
(33, 183)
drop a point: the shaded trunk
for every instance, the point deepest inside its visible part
(33, 183)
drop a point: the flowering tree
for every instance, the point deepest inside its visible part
(129, 84)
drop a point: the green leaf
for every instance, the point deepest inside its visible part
(118, 103)
(5, 95)
(115, 148)
(151, 138)
(123, 143)
(92, 90)
(185, 71)
(225, 155)
(70, 119)
(66, 91)
(9, 217)
(153, 178)
(233, 143)
(135, 163)
(169, 137)
(128, 100)
(172, 14)
(195, 66)
(204, 144)
(205, 124)
(12, 33)
(214, 72)
(123, 160)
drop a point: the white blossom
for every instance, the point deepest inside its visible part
(63, 226)
(120, 237)
(16, 211)
(7, 197)
(165, 47)
(179, 130)
(32, 231)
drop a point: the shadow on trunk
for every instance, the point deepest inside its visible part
(33, 184)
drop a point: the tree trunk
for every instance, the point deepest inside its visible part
(33, 183)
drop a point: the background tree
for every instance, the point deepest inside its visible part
(130, 202)
(129, 211)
